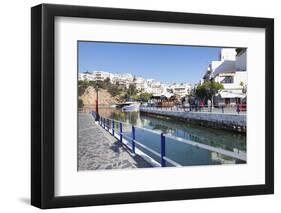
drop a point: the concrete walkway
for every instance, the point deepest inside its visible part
(97, 149)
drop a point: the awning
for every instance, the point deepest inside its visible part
(162, 95)
(232, 95)
(227, 66)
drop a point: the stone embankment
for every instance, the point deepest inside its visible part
(230, 121)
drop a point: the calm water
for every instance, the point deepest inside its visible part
(181, 153)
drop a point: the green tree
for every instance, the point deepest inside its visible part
(238, 50)
(80, 103)
(145, 96)
(82, 86)
(114, 90)
(107, 81)
(201, 91)
(131, 90)
(208, 89)
(244, 86)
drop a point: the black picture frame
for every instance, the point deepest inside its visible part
(43, 105)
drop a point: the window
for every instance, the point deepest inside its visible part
(227, 80)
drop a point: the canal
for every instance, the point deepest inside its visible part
(181, 153)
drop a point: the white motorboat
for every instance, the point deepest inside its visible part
(131, 107)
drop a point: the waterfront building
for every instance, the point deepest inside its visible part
(231, 72)
(182, 89)
(154, 87)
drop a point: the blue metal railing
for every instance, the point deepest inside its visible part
(112, 126)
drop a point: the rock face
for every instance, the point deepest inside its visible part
(89, 97)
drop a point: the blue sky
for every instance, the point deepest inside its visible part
(165, 63)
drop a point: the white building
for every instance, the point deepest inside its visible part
(155, 87)
(86, 76)
(181, 89)
(81, 76)
(101, 75)
(141, 84)
(94, 76)
(124, 79)
(231, 72)
(228, 54)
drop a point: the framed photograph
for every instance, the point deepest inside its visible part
(139, 106)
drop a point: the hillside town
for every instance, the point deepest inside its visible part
(229, 73)
(141, 84)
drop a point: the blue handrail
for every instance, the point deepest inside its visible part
(105, 123)
(133, 139)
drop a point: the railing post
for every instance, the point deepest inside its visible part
(238, 109)
(163, 150)
(222, 108)
(121, 132)
(133, 139)
(113, 127)
(107, 123)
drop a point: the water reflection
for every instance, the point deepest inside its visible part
(184, 154)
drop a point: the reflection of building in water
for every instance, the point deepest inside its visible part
(222, 159)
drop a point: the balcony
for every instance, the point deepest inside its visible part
(225, 67)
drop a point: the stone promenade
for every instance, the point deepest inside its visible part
(97, 149)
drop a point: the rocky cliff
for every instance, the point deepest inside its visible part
(105, 99)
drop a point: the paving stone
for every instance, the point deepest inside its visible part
(98, 149)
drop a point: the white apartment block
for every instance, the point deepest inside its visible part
(85, 76)
(124, 79)
(94, 76)
(228, 54)
(101, 75)
(155, 87)
(141, 84)
(231, 71)
(181, 89)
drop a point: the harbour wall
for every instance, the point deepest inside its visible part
(233, 122)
